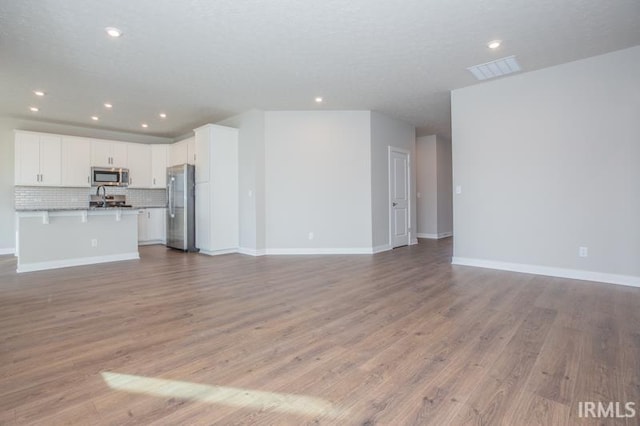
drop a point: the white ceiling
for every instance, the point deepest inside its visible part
(201, 61)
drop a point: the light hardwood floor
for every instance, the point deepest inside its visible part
(397, 338)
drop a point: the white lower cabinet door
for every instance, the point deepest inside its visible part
(152, 226)
(203, 219)
(157, 225)
(142, 226)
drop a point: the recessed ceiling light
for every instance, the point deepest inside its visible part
(319, 99)
(113, 32)
(108, 105)
(145, 125)
(95, 118)
(163, 115)
(38, 93)
(33, 109)
(494, 44)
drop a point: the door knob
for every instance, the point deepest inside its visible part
(394, 204)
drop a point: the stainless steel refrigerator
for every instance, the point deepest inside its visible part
(181, 208)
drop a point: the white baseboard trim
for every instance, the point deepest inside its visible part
(575, 274)
(310, 251)
(151, 242)
(251, 251)
(381, 248)
(428, 236)
(55, 264)
(218, 252)
(435, 236)
(9, 250)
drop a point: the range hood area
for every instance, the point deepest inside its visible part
(109, 202)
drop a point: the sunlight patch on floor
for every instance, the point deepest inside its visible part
(236, 397)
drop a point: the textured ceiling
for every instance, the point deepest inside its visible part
(201, 61)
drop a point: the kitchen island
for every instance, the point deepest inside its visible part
(57, 238)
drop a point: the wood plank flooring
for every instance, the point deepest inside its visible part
(396, 338)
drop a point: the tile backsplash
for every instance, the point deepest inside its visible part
(146, 197)
(48, 197)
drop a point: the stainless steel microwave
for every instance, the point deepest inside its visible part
(109, 176)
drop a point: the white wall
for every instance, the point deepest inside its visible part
(7, 125)
(549, 161)
(318, 180)
(427, 186)
(444, 187)
(434, 206)
(385, 132)
(251, 159)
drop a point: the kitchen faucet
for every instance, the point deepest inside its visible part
(104, 194)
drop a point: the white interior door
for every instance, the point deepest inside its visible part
(399, 190)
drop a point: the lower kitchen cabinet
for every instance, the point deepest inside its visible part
(152, 226)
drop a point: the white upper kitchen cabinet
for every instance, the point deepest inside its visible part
(37, 159)
(139, 164)
(159, 165)
(178, 153)
(191, 151)
(108, 153)
(214, 145)
(182, 152)
(217, 197)
(202, 142)
(76, 161)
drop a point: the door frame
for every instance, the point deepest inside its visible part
(390, 195)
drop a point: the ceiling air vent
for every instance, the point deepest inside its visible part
(496, 68)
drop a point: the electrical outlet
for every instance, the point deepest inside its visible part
(94, 242)
(311, 235)
(583, 251)
(458, 189)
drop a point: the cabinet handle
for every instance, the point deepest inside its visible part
(154, 181)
